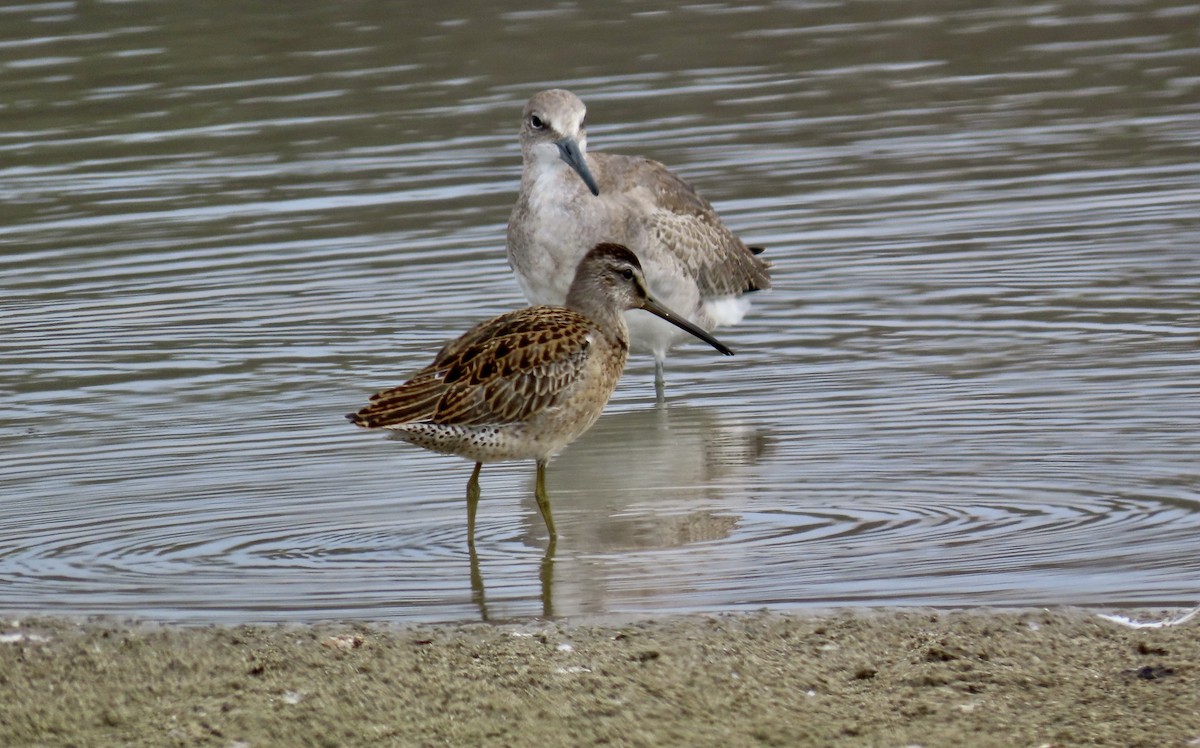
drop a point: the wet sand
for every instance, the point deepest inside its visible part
(891, 678)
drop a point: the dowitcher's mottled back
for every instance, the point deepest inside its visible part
(571, 199)
(527, 383)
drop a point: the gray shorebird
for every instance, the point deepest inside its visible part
(571, 199)
(524, 385)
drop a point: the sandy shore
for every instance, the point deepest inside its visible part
(894, 678)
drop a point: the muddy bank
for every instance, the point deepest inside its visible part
(1060, 678)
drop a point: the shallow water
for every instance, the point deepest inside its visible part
(977, 380)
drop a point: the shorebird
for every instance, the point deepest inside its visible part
(524, 385)
(571, 199)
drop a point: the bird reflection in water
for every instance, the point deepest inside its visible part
(637, 481)
(545, 581)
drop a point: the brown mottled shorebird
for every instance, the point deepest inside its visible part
(524, 385)
(571, 199)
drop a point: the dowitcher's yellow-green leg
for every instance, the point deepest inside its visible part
(472, 503)
(543, 501)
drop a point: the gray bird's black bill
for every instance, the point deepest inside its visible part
(661, 311)
(568, 149)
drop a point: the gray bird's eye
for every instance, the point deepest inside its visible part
(536, 122)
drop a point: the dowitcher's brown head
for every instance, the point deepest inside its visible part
(609, 280)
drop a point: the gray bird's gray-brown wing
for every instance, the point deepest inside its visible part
(679, 218)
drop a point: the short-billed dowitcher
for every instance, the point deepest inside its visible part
(571, 199)
(524, 385)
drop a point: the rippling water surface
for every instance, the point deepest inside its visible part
(977, 380)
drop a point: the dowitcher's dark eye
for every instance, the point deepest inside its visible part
(627, 274)
(536, 122)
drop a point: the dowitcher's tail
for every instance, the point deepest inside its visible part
(412, 401)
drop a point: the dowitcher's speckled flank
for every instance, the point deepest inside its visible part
(571, 199)
(525, 384)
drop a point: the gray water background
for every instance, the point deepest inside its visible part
(976, 382)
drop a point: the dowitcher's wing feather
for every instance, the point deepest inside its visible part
(501, 371)
(682, 220)
(519, 366)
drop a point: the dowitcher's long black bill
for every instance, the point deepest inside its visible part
(568, 150)
(652, 306)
